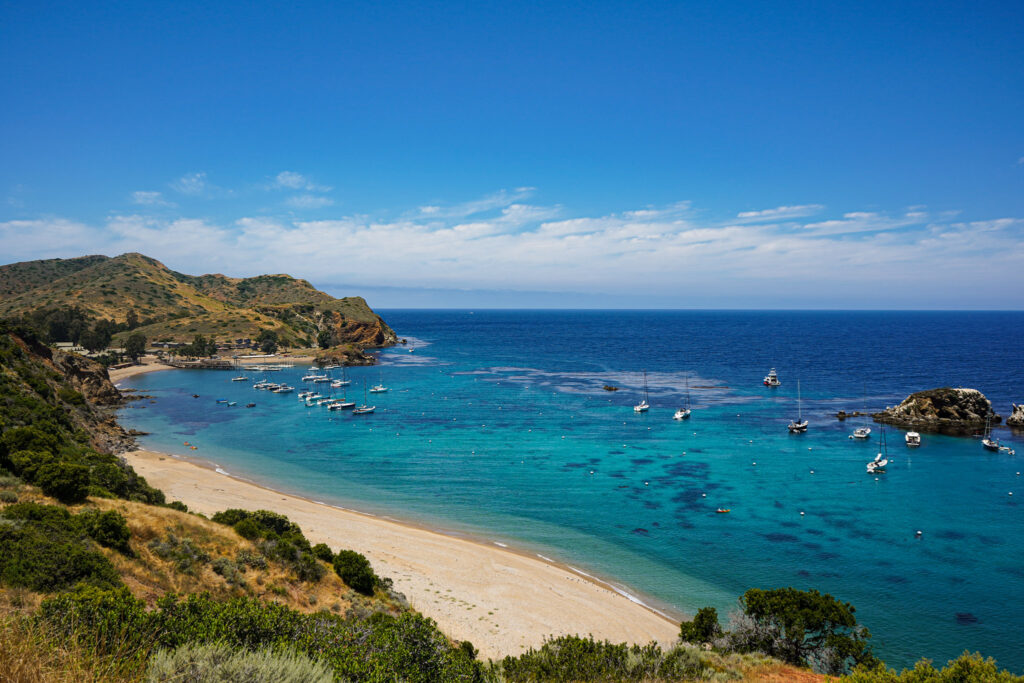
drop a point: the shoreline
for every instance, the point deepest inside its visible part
(150, 364)
(502, 599)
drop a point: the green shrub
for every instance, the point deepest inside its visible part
(251, 559)
(186, 556)
(8, 496)
(108, 528)
(65, 481)
(967, 668)
(323, 551)
(47, 559)
(355, 570)
(247, 528)
(703, 629)
(103, 621)
(178, 505)
(27, 463)
(221, 664)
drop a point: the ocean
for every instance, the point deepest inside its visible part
(497, 426)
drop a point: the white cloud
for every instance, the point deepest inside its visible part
(502, 243)
(290, 180)
(779, 213)
(308, 201)
(191, 184)
(150, 199)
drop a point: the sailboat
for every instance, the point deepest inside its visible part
(863, 431)
(343, 382)
(643, 406)
(342, 403)
(877, 466)
(364, 409)
(800, 424)
(379, 388)
(684, 412)
(988, 442)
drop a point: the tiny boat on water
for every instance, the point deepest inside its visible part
(799, 425)
(772, 379)
(861, 433)
(722, 511)
(643, 406)
(913, 439)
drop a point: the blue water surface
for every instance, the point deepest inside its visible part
(497, 426)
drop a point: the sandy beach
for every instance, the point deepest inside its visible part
(502, 601)
(152, 364)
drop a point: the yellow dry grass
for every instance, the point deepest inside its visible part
(28, 654)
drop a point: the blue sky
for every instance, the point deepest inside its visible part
(847, 155)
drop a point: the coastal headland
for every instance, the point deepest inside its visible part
(502, 601)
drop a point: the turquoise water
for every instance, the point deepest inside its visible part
(497, 426)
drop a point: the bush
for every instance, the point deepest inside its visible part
(323, 552)
(108, 528)
(967, 668)
(355, 570)
(209, 663)
(703, 629)
(804, 628)
(8, 496)
(65, 481)
(178, 505)
(47, 559)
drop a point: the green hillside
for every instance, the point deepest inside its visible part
(173, 306)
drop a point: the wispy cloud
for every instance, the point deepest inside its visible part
(503, 242)
(191, 184)
(290, 180)
(779, 213)
(150, 199)
(308, 201)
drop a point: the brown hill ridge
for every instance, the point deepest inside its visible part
(173, 306)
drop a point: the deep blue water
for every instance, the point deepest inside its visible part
(498, 426)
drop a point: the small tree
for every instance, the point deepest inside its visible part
(267, 340)
(135, 346)
(703, 629)
(805, 628)
(324, 340)
(132, 319)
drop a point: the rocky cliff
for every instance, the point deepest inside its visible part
(1016, 420)
(944, 411)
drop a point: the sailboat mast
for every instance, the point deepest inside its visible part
(799, 405)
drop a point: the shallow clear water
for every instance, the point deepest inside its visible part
(497, 426)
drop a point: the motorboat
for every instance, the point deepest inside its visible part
(772, 379)
(861, 433)
(240, 378)
(913, 439)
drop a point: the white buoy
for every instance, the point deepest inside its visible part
(703, 495)
(753, 463)
(801, 513)
(812, 471)
(646, 483)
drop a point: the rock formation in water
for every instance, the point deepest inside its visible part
(944, 411)
(1016, 420)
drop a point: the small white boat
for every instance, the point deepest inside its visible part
(378, 389)
(283, 389)
(913, 439)
(240, 378)
(643, 406)
(877, 466)
(339, 383)
(684, 412)
(771, 379)
(799, 425)
(342, 405)
(861, 433)
(364, 409)
(989, 442)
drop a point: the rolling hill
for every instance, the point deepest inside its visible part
(173, 306)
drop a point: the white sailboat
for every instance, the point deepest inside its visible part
(989, 442)
(379, 388)
(643, 406)
(863, 431)
(684, 412)
(800, 424)
(364, 409)
(877, 466)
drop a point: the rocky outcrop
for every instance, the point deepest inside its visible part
(344, 355)
(88, 378)
(361, 334)
(944, 411)
(1016, 420)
